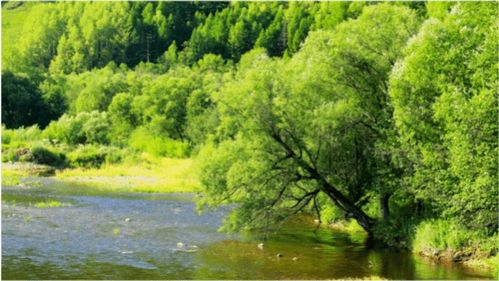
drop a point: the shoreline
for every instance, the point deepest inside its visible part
(140, 179)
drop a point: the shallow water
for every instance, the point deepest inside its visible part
(135, 236)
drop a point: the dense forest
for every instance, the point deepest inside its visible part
(381, 112)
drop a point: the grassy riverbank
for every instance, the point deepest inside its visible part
(154, 175)
(161, 175)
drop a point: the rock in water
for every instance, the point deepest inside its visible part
(260, 246)
(279, 255)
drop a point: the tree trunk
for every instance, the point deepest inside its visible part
(419, 207)
(385, 206)
(366, 222)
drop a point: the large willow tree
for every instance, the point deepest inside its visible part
(445, 98)
(294, 129)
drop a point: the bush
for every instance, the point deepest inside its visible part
(329, 212)
(42, 155)
(84, 128)
(442, 234)
(87, 156)
(9, 155)
(21, 135)
(119, 155)
(141, 139)
(396, 231)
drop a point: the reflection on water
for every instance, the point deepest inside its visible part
(152, 236)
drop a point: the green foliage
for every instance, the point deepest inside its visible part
(86, 127)
(143, 140)
(49, 204)
(277, 132)
(94, 90)
(448, 234)
(444, 96)
(87, 156)
(22, 102)
(9, 155)
(331, 213)
(123, 120)
(20, 135)
(43, 155)
(324, 108)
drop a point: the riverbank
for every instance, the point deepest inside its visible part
(158, 175)
(423, 245)
(470, 257)
(166, 175)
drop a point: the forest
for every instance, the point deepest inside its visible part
(383, 116)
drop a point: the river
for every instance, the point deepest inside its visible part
(98, 235)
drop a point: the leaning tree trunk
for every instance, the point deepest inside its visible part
(366, 222)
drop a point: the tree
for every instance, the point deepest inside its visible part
(274, 37)
(122, 117)
(94, 90)
(162, 105)
(290, 131)
(445, 101)
(22, 103)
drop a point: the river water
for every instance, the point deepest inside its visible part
(98, 235)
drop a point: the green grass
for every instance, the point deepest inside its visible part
(22, 170)
(441, 234)
(49, 204)
(446, 235)
(116, 231)
(162, 175)
(491, 263)
(10, 180)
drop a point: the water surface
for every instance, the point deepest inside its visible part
(98, 235)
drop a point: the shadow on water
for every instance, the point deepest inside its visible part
(158, 236)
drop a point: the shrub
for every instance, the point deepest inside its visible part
(442, 234)
(141, 139)
(87, 156)
(67, 129)
(396, 231)
(84, 128)
(119, 155)
(42, 155)
(9, 155)
(96, 127)
(20, 135)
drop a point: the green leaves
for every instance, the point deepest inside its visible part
(291, 105)
(446, 111)
(302, 125)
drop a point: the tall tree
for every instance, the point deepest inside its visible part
(445, 100)
(293, 130)
(22, 103)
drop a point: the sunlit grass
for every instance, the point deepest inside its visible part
(12, 177)
(491, 263)
(13, 173)
(49, 204)
(10, 180)
(161, 175)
